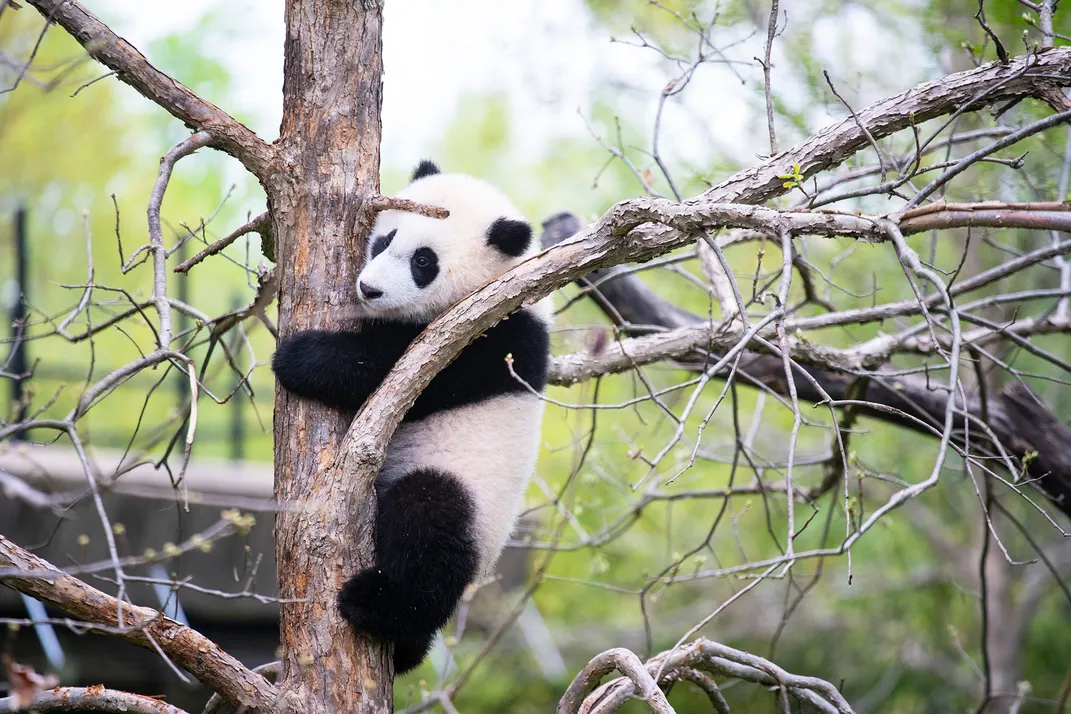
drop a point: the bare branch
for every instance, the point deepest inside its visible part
(703, 655)
(623, 661)
(261, 224)
(389, 203)
(132, 68)
(902, 399)
(143, 627)
(92, 699)
(993, 83)
(771, 33)
(156, 237)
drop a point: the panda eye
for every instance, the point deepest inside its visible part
(380, 243)
(424, 265)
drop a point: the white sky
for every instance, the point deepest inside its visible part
(550, 58)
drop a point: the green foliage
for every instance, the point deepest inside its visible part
(62, 158)
(897, 632)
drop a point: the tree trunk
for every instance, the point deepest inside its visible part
(329, 143)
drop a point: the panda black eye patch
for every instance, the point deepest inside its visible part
(425, 266)
(380, 243)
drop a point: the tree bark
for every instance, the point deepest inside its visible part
(329, 147)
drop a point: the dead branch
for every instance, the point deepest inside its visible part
(906, 400)
(389, 203)
(141, 626)
(91, 699)
(131, 67)
(702, 654)
(261, 224)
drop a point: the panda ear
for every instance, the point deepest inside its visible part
(424, 168)
(510, 236)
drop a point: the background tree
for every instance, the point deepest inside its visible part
(669, 492)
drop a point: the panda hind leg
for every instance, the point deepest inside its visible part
(409, 653)
(425, 557)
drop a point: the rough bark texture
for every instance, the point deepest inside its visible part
(329, 144)
(95, 699)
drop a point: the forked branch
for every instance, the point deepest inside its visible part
(704, 655)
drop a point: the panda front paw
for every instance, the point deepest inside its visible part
(298, 364)
(369, 603)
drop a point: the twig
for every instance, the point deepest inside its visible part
(771, 32)
(860, 124)
(980, 17)
(260, 224)
(389, 203)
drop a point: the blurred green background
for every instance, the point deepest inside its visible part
(903, 636)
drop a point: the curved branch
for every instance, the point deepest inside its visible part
(609, 241)
(91, 699)
(180, 101)
(702, 654)
(141, 626)
(623, 661)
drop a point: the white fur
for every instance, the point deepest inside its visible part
(468, 441)
(466, 261)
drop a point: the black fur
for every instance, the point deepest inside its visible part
(409, 653)
(424, 265)
(426, 554)
(342, 369)
(424, 168)
(510, 236)
(381, 243)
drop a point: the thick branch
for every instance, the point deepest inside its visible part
(609, 241)
(92, 699)
(141, 626)
(1034, 75)
(134, 69)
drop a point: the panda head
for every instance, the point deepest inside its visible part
(417, 266)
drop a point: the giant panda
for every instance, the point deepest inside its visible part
(455, 471)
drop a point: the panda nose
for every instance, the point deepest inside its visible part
(370, 292)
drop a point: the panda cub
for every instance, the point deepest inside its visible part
(456, 469)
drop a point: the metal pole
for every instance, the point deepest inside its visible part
(18, 364)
